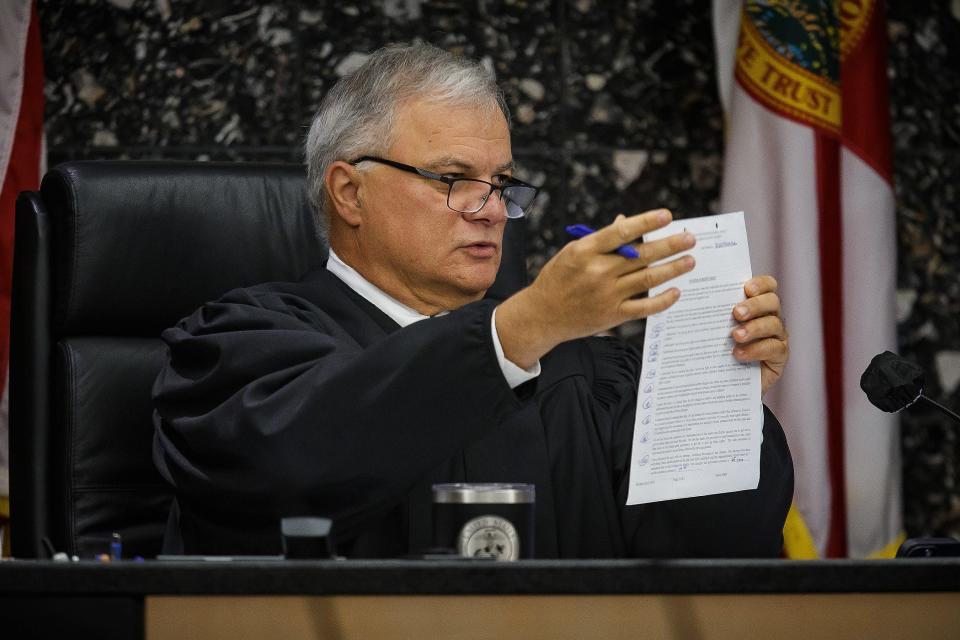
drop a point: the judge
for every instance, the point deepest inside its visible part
(349, 393)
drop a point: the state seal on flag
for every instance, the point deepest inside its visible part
(788, 58)
(789, 55)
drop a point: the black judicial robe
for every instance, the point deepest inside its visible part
(304, 399)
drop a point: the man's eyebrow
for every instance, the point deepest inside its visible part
(452, 162)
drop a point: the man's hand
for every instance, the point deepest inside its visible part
(761, 335)
(585, 288)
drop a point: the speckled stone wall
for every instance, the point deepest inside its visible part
(615, 109)
(925, 93)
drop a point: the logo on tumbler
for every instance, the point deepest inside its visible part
(489, 537)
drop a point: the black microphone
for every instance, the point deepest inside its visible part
(892, 384)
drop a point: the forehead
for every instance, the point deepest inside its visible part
(427, 128)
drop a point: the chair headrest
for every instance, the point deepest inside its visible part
(139, 245)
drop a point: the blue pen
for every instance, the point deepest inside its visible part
(580, 230)
(116, 546)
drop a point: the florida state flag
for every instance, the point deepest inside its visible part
(804, 87)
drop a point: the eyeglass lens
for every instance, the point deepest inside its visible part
(469, 196)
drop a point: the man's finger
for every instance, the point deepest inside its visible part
(760, 284)
(651, 252)
(625, 230)
(636, 308)
(765, 304)
(760, 328)
(643, 280)
(770, 350)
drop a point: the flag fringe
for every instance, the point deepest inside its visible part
(797, 542)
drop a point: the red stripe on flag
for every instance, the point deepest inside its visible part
(831, 283)
(23, 172)
(866, 104)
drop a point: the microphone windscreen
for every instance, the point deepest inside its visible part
(892, 383)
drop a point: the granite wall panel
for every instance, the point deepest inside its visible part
(187, 76)
(519, 39)
(924, 65)
(614, 107)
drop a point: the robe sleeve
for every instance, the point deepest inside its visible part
(268, 407)
(738, 524)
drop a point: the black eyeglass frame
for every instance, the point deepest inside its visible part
(431, 175)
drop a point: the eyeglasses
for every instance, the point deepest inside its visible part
(468, 195)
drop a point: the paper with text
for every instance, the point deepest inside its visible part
(699, 420)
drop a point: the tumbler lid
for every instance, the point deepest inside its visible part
(484, 493)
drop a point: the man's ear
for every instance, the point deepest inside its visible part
(342, 181)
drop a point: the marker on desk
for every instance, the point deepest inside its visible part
(116, 546)
(580, 230)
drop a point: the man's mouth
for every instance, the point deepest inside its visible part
(481, 249)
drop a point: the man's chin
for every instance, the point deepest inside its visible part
(476, 285)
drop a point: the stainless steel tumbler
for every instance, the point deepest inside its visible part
(485, 520)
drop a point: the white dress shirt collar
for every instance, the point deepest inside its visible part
(396, 310)
(404, 316)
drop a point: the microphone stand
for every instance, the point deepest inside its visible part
(940, 406)
(926, 547)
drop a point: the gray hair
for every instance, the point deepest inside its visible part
(357, 115)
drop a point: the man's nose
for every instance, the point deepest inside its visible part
(493, 211)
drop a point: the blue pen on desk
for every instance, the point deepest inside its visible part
(116, 547)
(580, 230)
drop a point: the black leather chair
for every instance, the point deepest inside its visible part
(107, 255)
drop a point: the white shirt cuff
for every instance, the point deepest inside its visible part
(514, 375)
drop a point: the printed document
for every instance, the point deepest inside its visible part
(699, 420)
